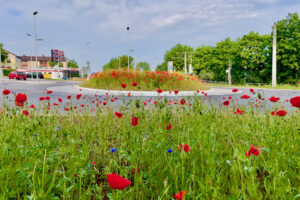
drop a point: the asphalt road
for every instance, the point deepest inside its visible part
(35, 89)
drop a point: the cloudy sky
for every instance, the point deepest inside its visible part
(155, 25)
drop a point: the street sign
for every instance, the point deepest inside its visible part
(57, 55)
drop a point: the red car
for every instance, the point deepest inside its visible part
(17, 75)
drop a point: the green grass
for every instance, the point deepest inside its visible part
(279, 86)
(38, 160)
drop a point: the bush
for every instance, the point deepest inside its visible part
(7, 71)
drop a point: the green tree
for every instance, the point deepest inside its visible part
(161, 67)
(252, 57)
(176, 54)
(72, 64)
(143, 66)
(4, 54)
(288, 48)
(119, 62)
(202, 61)
(53, 64)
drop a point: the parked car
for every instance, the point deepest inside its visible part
(33, 75)
(17, 75)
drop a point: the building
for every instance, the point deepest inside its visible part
(29, 62)
(55, 73)
(12, 62)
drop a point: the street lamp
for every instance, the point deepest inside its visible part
(128, 44)
(36, 63)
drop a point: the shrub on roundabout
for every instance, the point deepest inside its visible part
(136, 80)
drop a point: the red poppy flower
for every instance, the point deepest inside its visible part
(155, 102)
(128, 94)
(295, 101)
(180, 195)
(226, 103)
(93, 163)
(274, 99)
(281, 113)
(55, 104)
(186, 148)
(134, 170)
(49, 92)
(75, 175)
(78, 96)
(118, 114)
(66, 109)
(42, 98)
(134, 121)
(134, 83)
(104, 103)
(176, 91)
(32, 106)
(251, 90)
(123, 85)
(117, 182)
(75, 107)
(245, 96)
(69, 97)
(6, 92)
(47, 98)
(253, 151)
(82, 105)
(60, 100)
(235, 90)
(238, 111)
(169, 127)
(20, 99)
(25, 112)
(182, 101)
(159, 90)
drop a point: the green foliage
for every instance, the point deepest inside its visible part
(250, 56)
(288, 48)
(7, 71)
(176, 54)
(53, 64)
(161, 67)
(4, 54)
(119, 62)
(72, 64)
(143, 66)
(146, 81)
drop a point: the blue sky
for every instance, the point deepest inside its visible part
(156, 25)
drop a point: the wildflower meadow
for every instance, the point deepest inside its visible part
(81, 147)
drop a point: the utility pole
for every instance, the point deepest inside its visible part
(36, 62)
(128, 44)
(1, 71)
(274, 67)
(229, 71)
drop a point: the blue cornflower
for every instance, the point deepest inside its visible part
(113, 150)
(58, 128)
(76, 121)
(169, 150)
(35, 134)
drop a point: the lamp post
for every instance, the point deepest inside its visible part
(36, 63)
(128, 44)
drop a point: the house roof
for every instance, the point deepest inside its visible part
(39, 58)
(12, 53)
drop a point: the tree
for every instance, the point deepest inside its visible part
(53, 64)
(253, 57)
(119, 62)
(161, 67)
(288, 48)
(176, 54)
(143, 65)
(202, 61)
(72, 64)
(4, 54)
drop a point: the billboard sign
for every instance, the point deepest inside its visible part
(57, 55)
